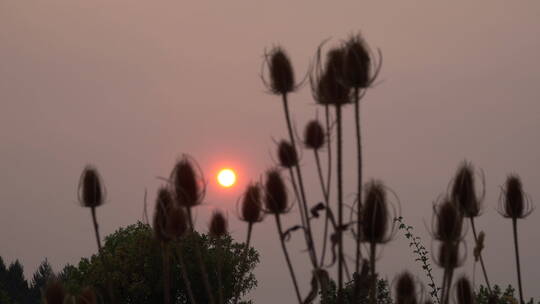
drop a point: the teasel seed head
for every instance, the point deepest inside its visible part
(359, 69)
(449, 255)
(464, 192)
(218, 224)
(87, 296)
(164, 203)
(314, 137)
(516, 203)
(54, 292)
(185, 180)
(327, 83)
(448, 222)
(287, 155)
(176, 223)
(281, 72)
(406, 289)
(91, 190)
(275, 196)
(375, 214)
(464, 291)
(251, 208)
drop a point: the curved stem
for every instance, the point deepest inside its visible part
(243, 267)
(185, 276)
(518, 267)
(359, 168)
(325, 195)
(309, 235)
(340, 204)
(287, 258)
(480, 254)
(200, 260)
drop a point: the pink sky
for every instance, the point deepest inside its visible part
(130, 86)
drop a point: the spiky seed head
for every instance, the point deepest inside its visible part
(275, 200)
(55, 292)
(176, 222)
(218, 224)
(281, 71)
(314, 137)
(464, 291)
(405, 289)
(185, 180)
(375, 213)
(91, 191)
(251, 205)
(333, 89)
(287, 155)
(463, 191)
(448, 255)
(357, 63)
(164, 203)
(449, 222)
(515, 204)
(87, 296)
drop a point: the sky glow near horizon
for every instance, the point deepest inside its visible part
(130, 86)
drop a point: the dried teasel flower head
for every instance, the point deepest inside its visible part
(275, 193)
(280, 70)
(87, 296)
(287, 155)
(186, 179)
(515, 202)
(327, 83)
(464, 193)
(360, 69)
(464, 291)
(314, 137)
(176, 223)
(448, 225)
(54, 292)
(375, 214)
(251, 208)
(218, 224)
(164, 203)
(406, 289)
(449, 255)
(91, 190)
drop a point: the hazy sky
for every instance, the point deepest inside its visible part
(131, 85)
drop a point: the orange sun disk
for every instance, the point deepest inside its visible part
(226, 178)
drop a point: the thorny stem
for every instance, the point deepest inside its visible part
(329, 148)
(303, 218)
(96, 227)
(480, 255)
(219, 267)
(449, 284)
(340, 204)
(309, 235)
(287, 258)
(373, 289)
(166, 274)
(200, 258)
(325, 194)
(185, 276)
(518, 267)
(243, 268)
(100, 249)
(359, 188)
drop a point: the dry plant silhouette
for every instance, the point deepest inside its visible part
(339, 80)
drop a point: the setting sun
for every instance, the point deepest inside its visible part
(226, 178)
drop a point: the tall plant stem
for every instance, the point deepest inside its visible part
(448, 285)
(219, 268)
(185, 276)
(329, 152)
(325, 195)
(287, 258)
(309, 235)
(100, 250)
(200, 258)
(518, 267)
(373, 289)
(359, 187)
(480, 254)
(243, 267)
(166, 274)
(340, 203)
(303, 218)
